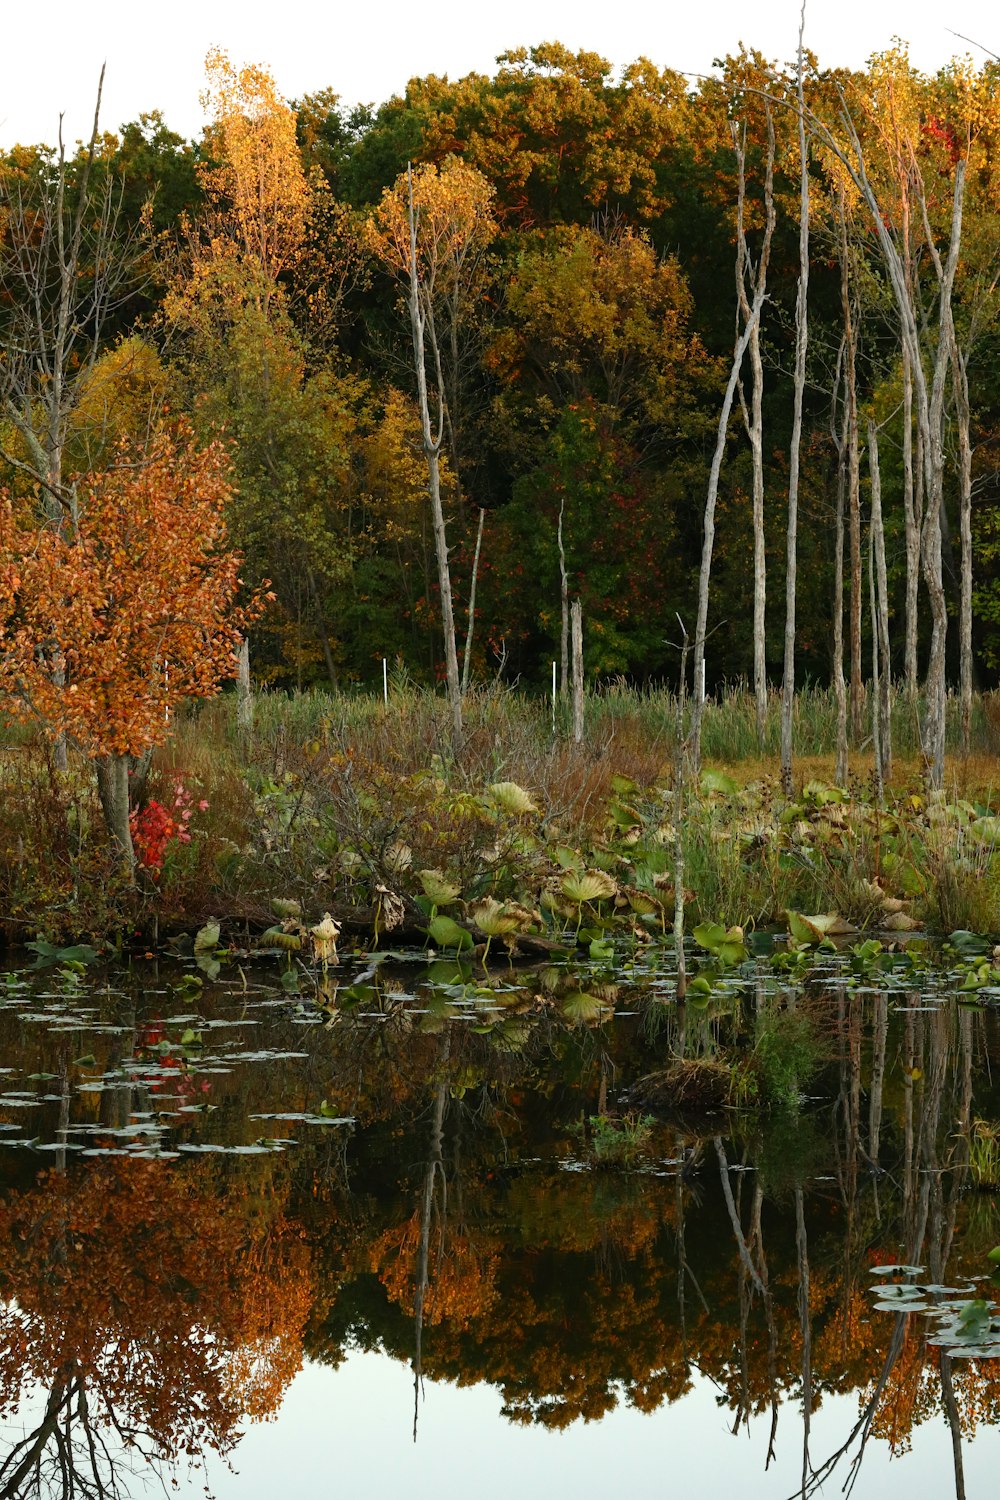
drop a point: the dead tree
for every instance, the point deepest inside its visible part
(756, 280)
(801, 347)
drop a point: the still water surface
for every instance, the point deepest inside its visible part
(237, 1218)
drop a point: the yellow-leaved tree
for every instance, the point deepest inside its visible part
(431, 230)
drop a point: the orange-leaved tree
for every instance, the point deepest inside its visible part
(108, 623)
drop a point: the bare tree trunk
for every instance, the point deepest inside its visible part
(838, 436)
(960, 378)
(564, 609)
(876, 721)
(112, 787)
(853, 476)
(708, 532)
(467, 658)
(422, 327)
(934, 718)
(753, 420)
(801, 345)
(576, 615)
(244, 691)
(929, 406)
(839, 684)
(911, 522)
(680, 788)
(882, 689)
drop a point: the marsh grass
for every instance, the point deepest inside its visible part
(322, 773)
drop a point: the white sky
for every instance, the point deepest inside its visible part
(366, 52)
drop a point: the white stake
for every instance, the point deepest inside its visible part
(385, 680)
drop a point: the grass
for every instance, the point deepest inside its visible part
(331, 796)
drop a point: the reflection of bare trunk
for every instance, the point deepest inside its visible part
(805, 1325)
(434, 1168)
(954, 1423)
(880, 1031)
(734, 1219)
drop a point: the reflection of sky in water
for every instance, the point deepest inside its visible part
(348, 1432)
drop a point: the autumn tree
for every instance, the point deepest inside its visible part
(106, 627)
(430, 230)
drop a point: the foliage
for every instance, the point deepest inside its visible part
(107, 627)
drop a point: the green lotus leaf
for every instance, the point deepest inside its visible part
(446, 933)
(718, 781)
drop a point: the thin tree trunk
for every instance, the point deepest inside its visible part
(853, 476)
(882, 690)
(576, 618)
(324, 634)
(753, 420)
(680, 788)
(838, 436)
(467, 658)
(422, 328)
(911, 525)
(564, 608)
(708, 532)
(876, 721)
(244, 691)
(801, 345)
(960, 378)
(839, 684)
(934, 716)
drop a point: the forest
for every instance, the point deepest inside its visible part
(601, 239)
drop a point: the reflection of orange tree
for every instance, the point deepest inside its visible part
(913, 1391)
(462, 1286)
(152, 1314)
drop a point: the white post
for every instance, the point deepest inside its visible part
(553, 700)
(385, 681)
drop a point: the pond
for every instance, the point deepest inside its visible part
(403, 1221)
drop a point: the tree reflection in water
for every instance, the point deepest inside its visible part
(155, 1312)
(465, 1229)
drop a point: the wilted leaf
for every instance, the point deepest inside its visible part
(511, 797)
(438, 890)
(207, 937)
(592, 885)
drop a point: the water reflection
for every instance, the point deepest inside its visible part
(253, 1178)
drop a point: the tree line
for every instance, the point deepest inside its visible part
(664, 349)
